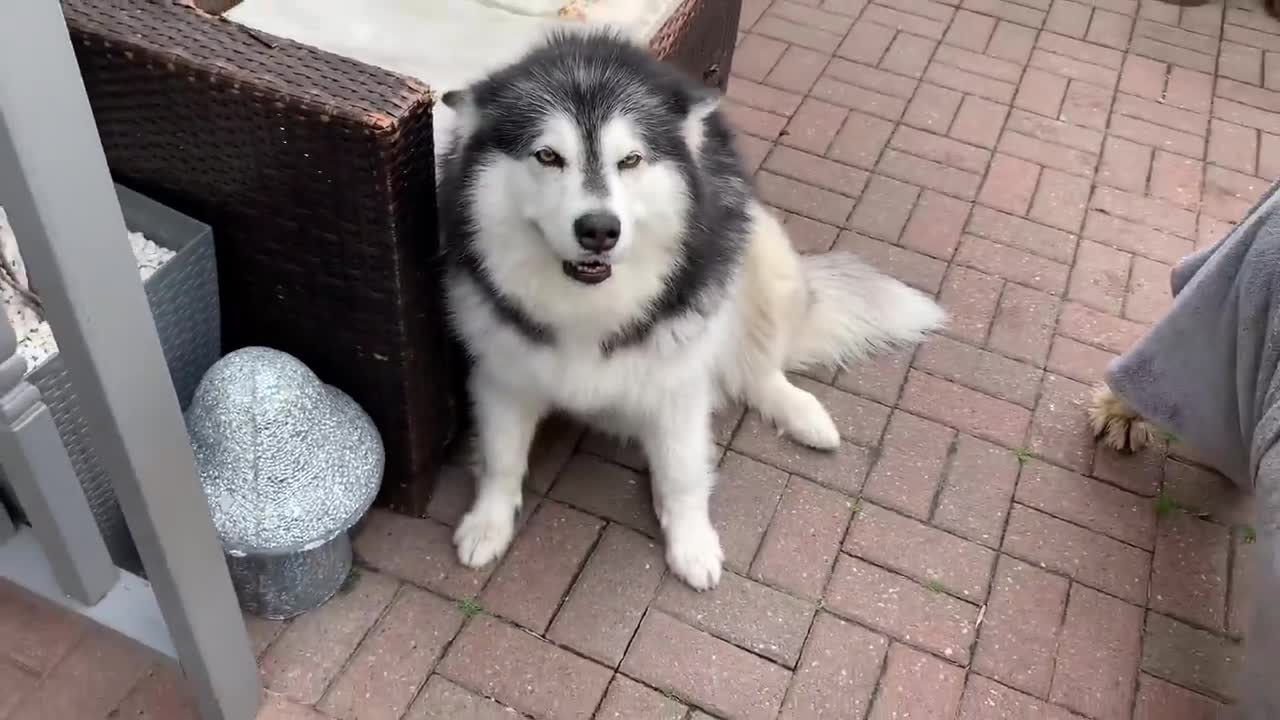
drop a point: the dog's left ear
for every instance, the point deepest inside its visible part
(703, 102)
(704, 107)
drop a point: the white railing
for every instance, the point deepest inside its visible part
(56, 188)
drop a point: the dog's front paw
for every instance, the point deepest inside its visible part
(485, 532)
(1116, 423)
(694, 553)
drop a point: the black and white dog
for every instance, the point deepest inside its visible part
(608, 258)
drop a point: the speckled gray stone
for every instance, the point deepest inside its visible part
(288, 465)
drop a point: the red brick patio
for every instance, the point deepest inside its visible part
(968, 553)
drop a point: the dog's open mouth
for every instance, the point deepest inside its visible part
(590, 272)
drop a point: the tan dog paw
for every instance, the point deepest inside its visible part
(1116, 423)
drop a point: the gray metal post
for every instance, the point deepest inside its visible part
(56, 188)
(40, 473)
(7, 530)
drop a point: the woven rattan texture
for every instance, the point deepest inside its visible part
(699, 37)
(317, 174)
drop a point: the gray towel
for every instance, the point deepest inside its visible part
(1207, 372)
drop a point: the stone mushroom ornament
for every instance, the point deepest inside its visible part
(288, 465)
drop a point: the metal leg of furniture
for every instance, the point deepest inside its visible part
(7, 530)
(57, 190)
(129, 608)
(45, 484)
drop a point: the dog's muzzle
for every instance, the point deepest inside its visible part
(588, 272)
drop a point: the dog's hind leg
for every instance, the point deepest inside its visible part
(772, 304)
(505, 424)
(1116, 422)
(795, 411)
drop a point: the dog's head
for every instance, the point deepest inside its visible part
(589, 142)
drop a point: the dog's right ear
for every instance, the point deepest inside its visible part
(457, 100)
(463, 104)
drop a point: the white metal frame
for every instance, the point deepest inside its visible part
(56, 188)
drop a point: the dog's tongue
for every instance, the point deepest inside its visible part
(591, 272)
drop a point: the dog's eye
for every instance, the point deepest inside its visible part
(630, 161)
(548, 157)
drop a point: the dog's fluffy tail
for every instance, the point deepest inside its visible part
(854, 311)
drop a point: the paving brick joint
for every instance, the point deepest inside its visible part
(970, 553)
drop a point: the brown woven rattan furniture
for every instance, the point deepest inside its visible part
(317, 175)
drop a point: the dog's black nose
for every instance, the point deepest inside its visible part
(597, 231)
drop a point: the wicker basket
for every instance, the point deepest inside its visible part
(317, 173)
(183, 295)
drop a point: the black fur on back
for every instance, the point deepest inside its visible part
(593, 77)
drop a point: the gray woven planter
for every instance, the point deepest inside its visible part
(183, 295)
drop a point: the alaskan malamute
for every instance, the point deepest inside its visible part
(608, 258)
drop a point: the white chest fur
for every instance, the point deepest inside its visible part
(575, 375)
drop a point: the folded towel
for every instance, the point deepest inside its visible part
(1207, 372)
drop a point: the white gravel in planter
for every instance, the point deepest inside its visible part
(35, 338)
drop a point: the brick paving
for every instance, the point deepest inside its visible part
(969, 553)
